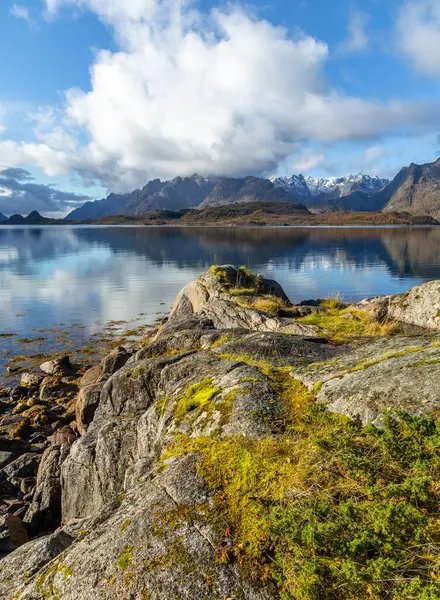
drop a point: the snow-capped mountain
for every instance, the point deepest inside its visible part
(318, 189)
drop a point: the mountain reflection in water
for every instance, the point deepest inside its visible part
(90, 275)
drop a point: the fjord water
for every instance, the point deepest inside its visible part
(83, 277)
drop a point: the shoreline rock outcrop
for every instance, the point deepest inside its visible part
(190, 468)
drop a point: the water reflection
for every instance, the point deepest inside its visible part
(89, 275)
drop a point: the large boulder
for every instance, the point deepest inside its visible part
(146, 546)
(387, 374)
(208, 297)
(25, 465)
(58, 366)
(279, 349)
(211, 286)
(146, 403)
(420, 306)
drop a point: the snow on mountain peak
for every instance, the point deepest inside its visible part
(332, 187)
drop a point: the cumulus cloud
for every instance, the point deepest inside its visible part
(188, 92)
(21, 12)
(308, 160)
(357, 38)
(19, 194)
(418, 30)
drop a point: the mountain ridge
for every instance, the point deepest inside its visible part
(199, 192)
(316, 190)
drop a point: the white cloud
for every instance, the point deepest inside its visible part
(373, 154)
(21, 12)
(308, 160)
(373, 160)
(418, 35)
(218, 93)
(357, 38)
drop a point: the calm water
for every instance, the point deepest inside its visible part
(83, 277)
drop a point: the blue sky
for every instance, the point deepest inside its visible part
(279, 86)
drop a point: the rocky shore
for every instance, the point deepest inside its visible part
(246, 449)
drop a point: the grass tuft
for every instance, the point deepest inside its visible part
(347, 323)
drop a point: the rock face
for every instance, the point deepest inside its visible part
(125, 515)
(399, 373)
(44, 512)
(207, 297)
(415, 189)
(420, 306)
(92, 383)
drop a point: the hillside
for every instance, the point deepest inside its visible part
(33, 218)
(266, 213)
(415, 189)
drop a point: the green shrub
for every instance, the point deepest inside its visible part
(330, 510)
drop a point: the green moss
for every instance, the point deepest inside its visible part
(121, 497)
(223, 339)
(318, 385)
(224, 406)
(243, 291)
(330, 509)
(128, 577)
(125, 559)
(390, 355)
(125, 524)
(245, 271)
(177, 557)
(325, 363)
(434, 361)
(138, 371)
(196, 399)
(162, 405)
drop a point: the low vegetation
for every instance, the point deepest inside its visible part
(343, 323)
(330, 510)
(265, 213)
(247, 290)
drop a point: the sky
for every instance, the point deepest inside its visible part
(100, 96)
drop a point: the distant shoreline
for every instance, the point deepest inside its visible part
(250, 214)
(225, 226)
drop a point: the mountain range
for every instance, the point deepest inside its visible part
(415, 189)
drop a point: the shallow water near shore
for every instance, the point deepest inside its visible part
(60, 286)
